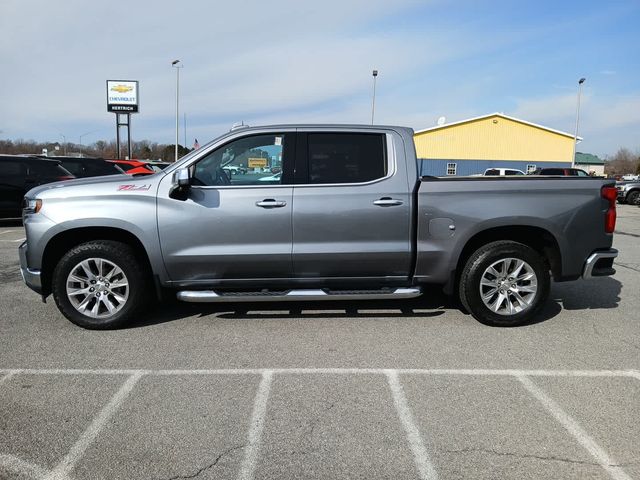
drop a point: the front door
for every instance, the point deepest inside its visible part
(235, 222)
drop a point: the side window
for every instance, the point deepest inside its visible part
(255, 160)
(10, 169)
(346, 157)
(452, 168)
(582, 173)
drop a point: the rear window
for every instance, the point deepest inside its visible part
(125, 166)
(346, 157)
(46, 169)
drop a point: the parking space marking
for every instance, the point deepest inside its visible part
(422, 460)
(6, 377)
(257, 425)
(331, 371)
(573, 427)
(21, 467)
(421, 457)
(6, 231)
(67, 464)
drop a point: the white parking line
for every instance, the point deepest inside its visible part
(574, 428)
(6, 231)
(67, 464)
(7, 376)
(424, 465)
(257, 425)
(332, 371)
(11, 464)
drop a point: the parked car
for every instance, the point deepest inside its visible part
(349, 218)
(564, 172)
(83, 167)
(133, 167)
(499, 172)
(628, 192)
(234, 169)
(19, 174)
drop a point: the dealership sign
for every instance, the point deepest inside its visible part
(122, 96)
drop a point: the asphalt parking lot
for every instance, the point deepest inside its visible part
(412, 389)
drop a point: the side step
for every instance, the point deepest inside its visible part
(205, 296)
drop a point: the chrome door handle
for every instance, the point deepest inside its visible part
(387, 202)
(271, 203)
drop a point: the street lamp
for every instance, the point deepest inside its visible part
(64, 140)
(373, 101)
(575, 137)
(177, 67)
(84, 135)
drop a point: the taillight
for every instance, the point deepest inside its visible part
(65, 177)
(610, 193)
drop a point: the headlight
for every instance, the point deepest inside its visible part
(31, 205)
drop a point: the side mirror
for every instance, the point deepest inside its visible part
(181, 178)
(181, 183)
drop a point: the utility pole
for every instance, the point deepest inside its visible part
(575, 137)
(373, 101)
(177, 67)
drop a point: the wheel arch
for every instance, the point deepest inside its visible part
(62, 242)
(537, 238)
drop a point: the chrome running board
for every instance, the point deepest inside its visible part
(205, 296)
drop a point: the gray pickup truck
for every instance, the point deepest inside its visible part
(312, 213)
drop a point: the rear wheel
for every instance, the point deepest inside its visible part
(99, 284)
(504, 284)
(633, 198)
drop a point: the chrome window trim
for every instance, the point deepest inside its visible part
(392, 163)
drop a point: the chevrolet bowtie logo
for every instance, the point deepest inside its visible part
(121, 88)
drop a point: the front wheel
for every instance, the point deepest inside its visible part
(633, 198)
(504, 284)
(99, 284)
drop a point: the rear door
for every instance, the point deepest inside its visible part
(351, 206)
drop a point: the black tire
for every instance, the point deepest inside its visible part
(478, 264)
(633, 198)
(117, 253)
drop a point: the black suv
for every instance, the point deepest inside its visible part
(83, 167)
(19, 174)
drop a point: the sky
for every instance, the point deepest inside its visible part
(286, 61)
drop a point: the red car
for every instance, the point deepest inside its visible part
(133, 167)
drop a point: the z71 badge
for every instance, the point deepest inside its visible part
(133, 187)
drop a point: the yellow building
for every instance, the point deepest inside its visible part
(496, 140)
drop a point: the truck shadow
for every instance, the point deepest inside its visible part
(432, 305)
(588, 294)
(602, 293)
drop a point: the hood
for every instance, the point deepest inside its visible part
(66, 187)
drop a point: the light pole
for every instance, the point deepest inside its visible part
(64, 141)
(177, 67)
(575, 137)
(84, 135)
(373, 100)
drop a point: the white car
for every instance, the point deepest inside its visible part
(500, 172)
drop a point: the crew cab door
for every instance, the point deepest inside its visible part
(235, 222)
(351, 206)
